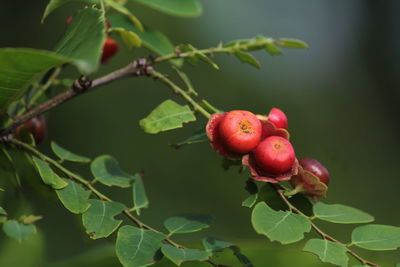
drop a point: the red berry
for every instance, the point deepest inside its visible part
(35, 126)
(68, 20)
(240, 131)
(316, 168)
(275, 155)
(110, 48)
(278, 118)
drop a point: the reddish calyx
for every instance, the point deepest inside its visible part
(36, 127)
(312, 179)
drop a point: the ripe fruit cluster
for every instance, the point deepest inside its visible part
(110, 46)
(262, 143)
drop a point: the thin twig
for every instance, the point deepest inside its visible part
(320, 232)
(181, 92)
(33, 151)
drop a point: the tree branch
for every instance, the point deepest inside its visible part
(136, 68)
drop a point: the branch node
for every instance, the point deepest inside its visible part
(82, 84)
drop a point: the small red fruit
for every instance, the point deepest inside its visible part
(35, 126)
(275, 155)
(240, 131)
(278, 118)
(316, 168)
(110, 48)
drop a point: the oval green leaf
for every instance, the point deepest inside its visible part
(282, 226)
(182, 8)
(140, 199)
(18, 230)
(338, 213)
(247, 58)
(180, 255)
(99, 218)
(74, 197)
(84, 39)
(137, 247)
(167, 116)
(107, 171)
(376, 237)
(328, 251)
(187, 223)
(65, 154)
(54, 4)
(49, 177)
(20, 67)
(153, 40)
(214, 245)
(290, 43)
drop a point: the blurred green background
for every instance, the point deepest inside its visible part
(341, 96)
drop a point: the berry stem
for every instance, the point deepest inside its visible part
(181, 92)
(324, 235)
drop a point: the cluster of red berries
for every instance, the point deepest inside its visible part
(262, 143)
(110, 46)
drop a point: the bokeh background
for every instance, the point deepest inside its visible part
(341, 96)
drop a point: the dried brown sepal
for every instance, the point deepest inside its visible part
(310, 184)
(259, 175)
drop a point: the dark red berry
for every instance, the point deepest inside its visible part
(35, 126)
(316, 168)
(275, 155)
(110, 48)
(240, 131)
(278, 118)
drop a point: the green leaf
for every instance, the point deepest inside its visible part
(137, 247)
(139, 194)
(214, 245)
(338, 213)
(282, 226)
(252, 189)
(186, 8)
(180, 255)
(129, 38)
(376, 237)
(273, 50)
(187, 223)
(18, 230)
(167, 116)
(328, 251)
(54, 4)
(153, 40)
(74, 197)
(84, 39)
(206, 59)
(198, 136)
(247, 58)
(49, 177)
(123, 10)
(3, 211)
(99, 218)
(20, 67)
(241, 257)
(64, 154)
(291, 43)
(107, 171)
(7, 168)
